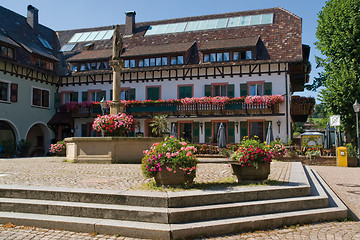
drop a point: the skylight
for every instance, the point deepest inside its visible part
(250, 20)
(91, 36)
(68, 47)
(45, 43)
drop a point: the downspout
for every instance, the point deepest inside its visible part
(287, 102)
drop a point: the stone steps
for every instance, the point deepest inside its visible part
(174, 215)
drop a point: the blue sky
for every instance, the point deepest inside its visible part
(66, 14)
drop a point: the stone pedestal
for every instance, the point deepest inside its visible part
(115, 106)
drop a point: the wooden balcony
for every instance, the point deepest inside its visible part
(85, 112)
(196, 109)
(301, 108)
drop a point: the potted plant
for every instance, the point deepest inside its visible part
(114, 125)
(22, 148)
(352, 155)
(159, 125)
(253, 160)
(59, 148)
(170, 162)
(9, 147)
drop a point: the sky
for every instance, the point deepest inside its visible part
(75, 14)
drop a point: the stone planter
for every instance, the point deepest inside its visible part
(179, 177)
(108, 149)
(245, 173)
(61, 154)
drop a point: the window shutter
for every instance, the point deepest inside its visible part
(268, 88)
(208, 91)
(243, 130)
(84, 96)
(207, 131)
(75, 97)
(102, 95)
(36, 101)
(230, 91)
(45, 98)
(243, 89)
(14, 92)
(57, 100)
(132, 93)
(196, 132)
(182, 92)
(266, 128)
(153, 93)
(231, 132)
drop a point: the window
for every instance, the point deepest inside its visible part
(185, 91)
(213, 57)
(226, 56)
(126, 63)
(242, 55)
(152, 62)
(42, 63)
(6, 52)
(206, 58)
(152, 93)
(256, 90)
(236, 56)
(4, 91)
(256, 129)
(96, 95)
(177, 60)
(164, 61)
(93, 66)
(132, 63)
(74, 67)
(69, 97)
(158, 61)
(40, 97)
(146, 62)
(141, 63)
(219, 90)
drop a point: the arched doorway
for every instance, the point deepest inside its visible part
(39, 136)
(7, 139)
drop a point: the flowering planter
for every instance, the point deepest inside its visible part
(173, 178)
(244, 173)
(61, 153)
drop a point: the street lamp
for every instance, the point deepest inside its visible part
(103, 108)
(356, 107)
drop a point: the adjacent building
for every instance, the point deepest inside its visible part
(200, 71)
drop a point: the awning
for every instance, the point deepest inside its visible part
(61, 118)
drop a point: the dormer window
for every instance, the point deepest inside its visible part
(7, 52)
(42, 63)
(177, 60)
(242, 55)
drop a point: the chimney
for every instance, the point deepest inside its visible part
(130, 23)
(33, 18)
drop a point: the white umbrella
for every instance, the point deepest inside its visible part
(174, 130)
(269, 135)
(221, 136)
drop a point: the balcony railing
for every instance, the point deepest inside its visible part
(84, 112)
(201, 109)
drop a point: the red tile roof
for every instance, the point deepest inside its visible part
(91, 55)
(157, 49)
(229, 43)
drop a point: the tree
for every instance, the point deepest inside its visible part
(338, 34)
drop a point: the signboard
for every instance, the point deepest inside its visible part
(335, 120)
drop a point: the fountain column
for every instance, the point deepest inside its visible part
(116, 64)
